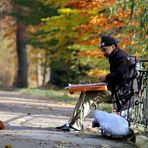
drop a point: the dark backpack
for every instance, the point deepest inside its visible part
(124, 93)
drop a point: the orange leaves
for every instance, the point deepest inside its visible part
(96, 22)
(88, 4)
(124, 42)
(82, 4)
(105, 22)
(122, 13)
(84, 27)
(91, 53)
(94, 42)
(99, 21)
(108, 2)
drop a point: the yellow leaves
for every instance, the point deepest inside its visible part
(52, 18)
(132, 43)
(137, 54)
(68, 11)
(97, 73)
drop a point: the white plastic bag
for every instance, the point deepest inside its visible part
(111, 123)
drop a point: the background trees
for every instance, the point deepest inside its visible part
(62, 37)
(7, 46)
(27, 14)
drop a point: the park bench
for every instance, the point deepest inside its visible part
(140, 109)
(133, 100)
(131, 103)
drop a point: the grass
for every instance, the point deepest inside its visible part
(60, 96)
(55, 95)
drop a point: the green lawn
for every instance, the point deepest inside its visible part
(59, 96)
(55, 95)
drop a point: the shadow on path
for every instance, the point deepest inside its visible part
(30, 122)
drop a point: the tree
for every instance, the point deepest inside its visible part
(22, 72)
(69, 33)
(78, 26)
(76, 39)
(27, 13)
(7, 46)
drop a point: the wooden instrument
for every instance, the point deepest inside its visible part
(86, 87)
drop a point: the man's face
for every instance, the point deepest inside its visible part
(107, 50)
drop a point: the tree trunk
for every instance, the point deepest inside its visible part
(22, 73)
(45, 69)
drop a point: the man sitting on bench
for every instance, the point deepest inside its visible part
(118, 68)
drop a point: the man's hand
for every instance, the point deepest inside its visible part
(102, 78)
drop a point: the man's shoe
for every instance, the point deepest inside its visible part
(63, 126)
(67, 128)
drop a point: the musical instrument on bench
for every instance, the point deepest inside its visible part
(72, 88)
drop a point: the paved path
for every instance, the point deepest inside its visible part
(30, 123)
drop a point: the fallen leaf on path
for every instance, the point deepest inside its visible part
(61, 142)
(2, 126)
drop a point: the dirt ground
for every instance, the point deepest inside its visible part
(30, 123)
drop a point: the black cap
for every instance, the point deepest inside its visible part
(107, 40)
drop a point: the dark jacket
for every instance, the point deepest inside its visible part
(118, 60)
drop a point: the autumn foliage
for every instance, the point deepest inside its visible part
(64, 36)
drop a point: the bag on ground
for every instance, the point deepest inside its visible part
(111, 123)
